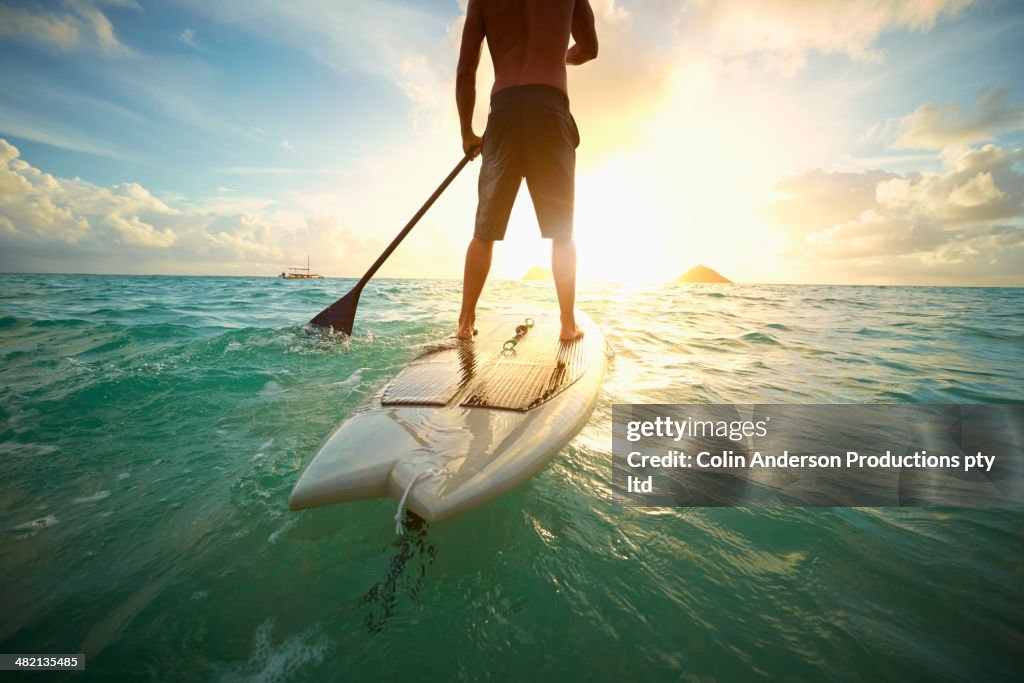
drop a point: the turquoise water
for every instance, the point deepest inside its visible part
(151, 429)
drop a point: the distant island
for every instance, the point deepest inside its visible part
(538, 273)
(701, 273)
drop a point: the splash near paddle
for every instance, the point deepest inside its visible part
(464, 422)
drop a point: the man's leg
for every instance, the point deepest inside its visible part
(478, 264)
(563, 267)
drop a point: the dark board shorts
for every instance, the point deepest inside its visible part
(530, 134)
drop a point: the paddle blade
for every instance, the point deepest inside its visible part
(340, 315)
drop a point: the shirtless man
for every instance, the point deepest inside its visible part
(530, 132)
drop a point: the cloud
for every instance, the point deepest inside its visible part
(287, 145)
(81, 26)
(50, 223)
(278, 170)
(59, 31)
(936, 126)
(40, 208)
(101, 27)
(979, 191)
(781, 33)
(188, 37)
(42, 128)
(346, 35)
(67, 107)
(965, 222)
(817, 198)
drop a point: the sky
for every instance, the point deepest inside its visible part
(836, 141)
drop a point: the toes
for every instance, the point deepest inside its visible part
(577, 334)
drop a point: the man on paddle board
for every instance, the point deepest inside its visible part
(530, 132)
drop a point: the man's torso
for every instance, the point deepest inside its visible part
(528, 40)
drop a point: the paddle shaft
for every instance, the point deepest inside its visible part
(412, 222)
(341, 314)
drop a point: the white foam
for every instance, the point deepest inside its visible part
(99, 495)
(26, 450)
(271, 388)
(352, 381)
(272, 539)
(41, 523)
(270, 663)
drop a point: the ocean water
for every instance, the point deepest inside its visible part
(151, 429)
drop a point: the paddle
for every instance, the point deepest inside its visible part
(342, 313)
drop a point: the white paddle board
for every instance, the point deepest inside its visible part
(465, 421)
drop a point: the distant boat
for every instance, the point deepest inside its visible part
(301, 273)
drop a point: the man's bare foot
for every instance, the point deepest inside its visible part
(466, 332)
(570, 332)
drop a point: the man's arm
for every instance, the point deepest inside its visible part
(584, 33)
(465, 76)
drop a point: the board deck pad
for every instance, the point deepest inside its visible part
(479, 374)
(444, 369)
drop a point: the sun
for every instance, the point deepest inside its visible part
(617, 229)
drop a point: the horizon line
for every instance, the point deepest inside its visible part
(499, 279)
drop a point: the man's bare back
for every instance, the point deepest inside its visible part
(528, 40)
